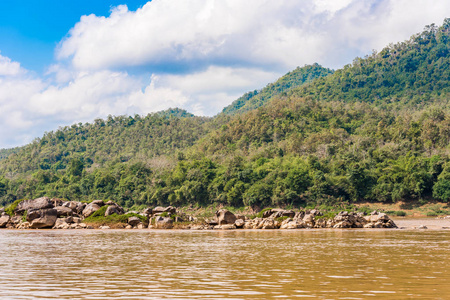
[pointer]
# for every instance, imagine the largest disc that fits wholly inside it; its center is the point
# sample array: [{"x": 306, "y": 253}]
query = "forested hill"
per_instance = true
[
  {"x": 376, "y": 130},
  {"x": 293, "y": 79},
  {"x": 122, "y": 138},
  {"x": 413, "y": 72}
]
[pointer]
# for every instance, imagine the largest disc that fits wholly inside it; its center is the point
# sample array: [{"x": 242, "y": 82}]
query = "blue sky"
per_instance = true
[
  {"x": 64, "y": 62},
  {"x": 40, "y": 25}
]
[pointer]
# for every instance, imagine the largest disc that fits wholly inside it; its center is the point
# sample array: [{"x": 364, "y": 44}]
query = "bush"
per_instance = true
[
  {"x": 432, "y": 214},
  {"x": 400, "y": 213},
  {"x": 98, "y": 217},
  {"x": 12, "y": 207},
  {"x": 261, "y": 213}
]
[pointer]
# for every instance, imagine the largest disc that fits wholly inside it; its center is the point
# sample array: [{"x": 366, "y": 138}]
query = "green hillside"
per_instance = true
[
  {"x": 375, "y": 130},
  {"x": 410, "y": 73},
  {"x": 293, "y": 79}
]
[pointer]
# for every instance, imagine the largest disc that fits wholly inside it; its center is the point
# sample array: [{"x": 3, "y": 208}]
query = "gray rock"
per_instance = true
[
  {"x": 57, "y": 202},
  {"x": 90, "y": 209},
  {"x": 42, "y": 218},
  {"x": 225, "y": 217},
  {"x": 239, "y": 223},
  {"x": 61, "y": 224},
  {"x": 158, "y": 210},
  {"x": 133, "y": 221},
  {"x": 98, "y": 202},
  {"x": 64, "y": 211},
  {"x": 113, "y": 209},
  {"x": 163, "y": 223},
  {"x": 148, "y": 211},
  {"x": 39, "y": 203},
  {"x": 4, "y": 219},
  {"x": 171, "y": 210}
]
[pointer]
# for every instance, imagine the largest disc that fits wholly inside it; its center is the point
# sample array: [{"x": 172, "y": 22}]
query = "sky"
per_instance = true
[{"x": 64, "y": 62}]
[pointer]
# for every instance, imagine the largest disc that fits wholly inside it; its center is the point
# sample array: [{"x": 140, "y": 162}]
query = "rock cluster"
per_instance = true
[
  {"x": 54, "y": 213},
  {"x": 58, "y": 214},
  {"x": 288, "y": 219},
  {"x": 165, "y": 217}
]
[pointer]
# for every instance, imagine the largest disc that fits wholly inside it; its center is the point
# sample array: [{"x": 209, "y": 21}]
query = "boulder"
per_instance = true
[
  {"x": 98, "y": 202},
  {"x": 171, "y": 210},
  {"x": 4, "y": 219},
  {"x": 63, "y": 211},
  {"x": 104, "y": 227},
  {"x": 268, "y": 224},
  {"x": 158, "y": 210},
  {"x": 148, "y": 211},
  {"x": 80, "y": 207},
  {"x": 61, "y": 224},
  {"x": 163, "y": 223},
  {"x": 57, "y": 202},
  {"x": 239, "y": 223},
  {"x": 279, "y": 213},
  {"x": 24, "y": 225},
  {"x": 133, "y": 221},
  {"x": 268, "y": 213},
  {"x": 113, "y": 209},
  {"x": 39, "y": 203},
  {"x": 225, "y": 217},
  {"x": 42, "y": 218},
  {"x": 90, "y": 209}
]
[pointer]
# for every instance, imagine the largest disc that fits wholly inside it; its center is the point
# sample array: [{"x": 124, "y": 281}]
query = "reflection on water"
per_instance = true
[{"x": 324, "y": 264}]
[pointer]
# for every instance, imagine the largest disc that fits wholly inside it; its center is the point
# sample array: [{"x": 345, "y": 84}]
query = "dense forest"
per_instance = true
[{"x": 376, "y": 130}]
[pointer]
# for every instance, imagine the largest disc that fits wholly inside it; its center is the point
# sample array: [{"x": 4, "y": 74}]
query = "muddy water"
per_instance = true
[{"x": 315, "y": 264}]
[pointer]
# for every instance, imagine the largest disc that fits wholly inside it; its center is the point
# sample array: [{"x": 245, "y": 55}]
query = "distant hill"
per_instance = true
[{"x": 293, "y": 79}]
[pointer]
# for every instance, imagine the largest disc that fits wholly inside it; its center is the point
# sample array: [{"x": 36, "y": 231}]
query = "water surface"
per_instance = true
[{"x": 253, "y": 264}]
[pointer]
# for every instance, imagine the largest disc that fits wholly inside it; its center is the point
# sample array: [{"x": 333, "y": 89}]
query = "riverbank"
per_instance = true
[
  {"x": 60, "y": 214},
  {"x": 98, "y": 214},
  {"x": 415, "y": 209},
  {"x": 422, "y": 223}
]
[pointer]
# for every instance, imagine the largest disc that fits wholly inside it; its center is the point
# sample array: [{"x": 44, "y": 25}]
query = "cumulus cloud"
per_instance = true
[
  {"x": 8, "y": 67},
  {"x": 277, "y": 34},
  {"x": 199, "y": 55}
]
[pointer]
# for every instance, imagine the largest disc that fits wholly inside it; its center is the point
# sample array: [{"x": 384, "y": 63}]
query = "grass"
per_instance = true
[
  {"x": 12, "y": 207},
  {"x": 99, "y": 218},
  {"x": 261, "y": 213},
  {"x": 281, "y": 219}
]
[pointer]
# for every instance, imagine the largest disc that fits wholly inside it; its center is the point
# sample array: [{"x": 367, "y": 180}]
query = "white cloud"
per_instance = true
[
  {"x": 277, "y": 34},
  {"x": 199, "y": 55},
  {"x": 8, "y": 67}
]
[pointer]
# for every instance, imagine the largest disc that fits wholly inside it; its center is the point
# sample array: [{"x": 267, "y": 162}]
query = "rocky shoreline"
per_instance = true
[{"x": 59, "y": 214}]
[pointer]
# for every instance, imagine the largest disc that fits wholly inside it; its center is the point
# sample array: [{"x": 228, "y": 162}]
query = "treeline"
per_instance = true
[
  {"x": 376, "y": 130},
  {"x": 292, "y": 151},
  {"x": 121, "y": 138}
]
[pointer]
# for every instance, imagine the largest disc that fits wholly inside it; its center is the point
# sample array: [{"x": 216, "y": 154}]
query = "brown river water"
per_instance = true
[{"x": 240, "y": 264}]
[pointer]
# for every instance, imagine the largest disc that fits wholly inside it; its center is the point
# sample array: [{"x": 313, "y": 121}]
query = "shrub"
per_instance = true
[
  {"x": 261, "y": 213},
  {"x": 432, "y": 214},
  {"x": 12, "y": 207},
  {"x": 400, "y": 213},
  {"x": 98, "y": 217}
]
